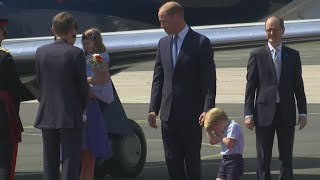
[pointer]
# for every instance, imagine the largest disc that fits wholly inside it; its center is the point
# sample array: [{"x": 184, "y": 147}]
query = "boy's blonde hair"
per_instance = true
[
  {"x": 94, "y": 35},
  {"x": 213, "y": 117}
]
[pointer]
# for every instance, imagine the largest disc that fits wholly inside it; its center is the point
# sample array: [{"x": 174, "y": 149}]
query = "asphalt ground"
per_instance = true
[{"x": 133, "y": 86}]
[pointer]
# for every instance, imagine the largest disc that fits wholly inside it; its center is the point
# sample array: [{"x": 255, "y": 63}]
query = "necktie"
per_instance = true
[
  {"x": 277, "y": 62},
  {"x": 175, "y": 50},
  {"x": 277, "y": 66}
]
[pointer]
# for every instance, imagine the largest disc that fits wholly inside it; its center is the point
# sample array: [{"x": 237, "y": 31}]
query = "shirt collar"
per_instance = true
[
  {"x": 182, "y": 34},
  {"x": 272, "y": 48},
  {"x": 227, "y": 126}
]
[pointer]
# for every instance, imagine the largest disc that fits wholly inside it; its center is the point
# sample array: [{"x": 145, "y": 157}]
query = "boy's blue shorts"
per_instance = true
[{"x": 231, "y": 167}]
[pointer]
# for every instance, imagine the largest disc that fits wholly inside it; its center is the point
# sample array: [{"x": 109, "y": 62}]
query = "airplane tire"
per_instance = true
[{"x": 129, "y": 157}]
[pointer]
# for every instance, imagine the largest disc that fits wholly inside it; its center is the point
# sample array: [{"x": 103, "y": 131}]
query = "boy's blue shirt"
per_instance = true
[{"x": 233, "y": 131}]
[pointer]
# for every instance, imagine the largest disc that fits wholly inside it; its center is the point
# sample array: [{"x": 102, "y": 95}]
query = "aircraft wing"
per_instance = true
[{"x": 130, "y": 47}]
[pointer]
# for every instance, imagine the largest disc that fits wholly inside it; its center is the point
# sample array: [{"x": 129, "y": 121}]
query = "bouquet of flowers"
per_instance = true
[
  {"x": 99, "y": 71},
  {"x": 96, "y": 60}
]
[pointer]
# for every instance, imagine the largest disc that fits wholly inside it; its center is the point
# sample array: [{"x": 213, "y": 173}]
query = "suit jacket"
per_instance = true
[
  {"x": 262, "y": 85},
  {"x": 61, "y": 72},
  {"x": 188, "y": 89},
  {"x": 9, "y": 79},
  {"x": 10, "y": 97}
]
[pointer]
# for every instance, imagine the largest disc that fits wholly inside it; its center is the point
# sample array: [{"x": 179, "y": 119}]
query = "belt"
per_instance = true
[{"x": 228, "y": 156}]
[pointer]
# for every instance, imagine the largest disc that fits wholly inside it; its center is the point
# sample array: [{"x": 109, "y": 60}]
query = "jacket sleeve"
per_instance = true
[
  {"x": 37, "y": 69},
  {"x": 208, "y": 73},
  {"x": 15, "y": 84},
  {"x": 251, "y": 86},
  {"x": 299, "y": 88},
  {"x": 157, "y": 84},
  {"x": 81, "y": 78}
]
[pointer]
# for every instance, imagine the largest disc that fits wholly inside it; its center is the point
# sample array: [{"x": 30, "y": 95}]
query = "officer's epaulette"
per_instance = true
[{"x": 4, "y": 50}]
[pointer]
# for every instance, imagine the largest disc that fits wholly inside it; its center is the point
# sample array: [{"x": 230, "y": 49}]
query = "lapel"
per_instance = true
[
  {"x": 284, "y": 61},
  {"x": 184, "y": 45},
  {"x": 167, "y": 53},
  {"x": 269, "y": 62}
]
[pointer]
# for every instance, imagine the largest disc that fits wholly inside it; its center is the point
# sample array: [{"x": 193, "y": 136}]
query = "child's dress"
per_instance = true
[
  {"x": 103, "y": 92},
  {"x": 95, "y": 137}
]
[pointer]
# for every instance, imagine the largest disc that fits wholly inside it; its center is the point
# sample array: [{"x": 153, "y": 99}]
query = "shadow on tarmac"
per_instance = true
[{"x": 158, "y": 171}]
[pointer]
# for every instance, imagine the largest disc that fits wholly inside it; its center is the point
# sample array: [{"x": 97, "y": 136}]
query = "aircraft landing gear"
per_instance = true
[{"x": 129, "y": 154}]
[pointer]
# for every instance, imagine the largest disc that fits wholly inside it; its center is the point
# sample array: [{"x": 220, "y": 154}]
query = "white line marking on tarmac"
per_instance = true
[
  {"x": 160, "y": 140},
  {"x": 313, "y": 113},
  {"x": 27, "y": 173},
  {"x": 210, "y": 157},
  {"x": 31, "y": 134},
  {"x": 30, "y": 102},
  {"x": 28, "y": 127},
  {"x": 145, "y": 121},
  {"x": 149, "y": 140},
  {"x": 156, "y": 140},
  {"x": 165, "y": 166}
]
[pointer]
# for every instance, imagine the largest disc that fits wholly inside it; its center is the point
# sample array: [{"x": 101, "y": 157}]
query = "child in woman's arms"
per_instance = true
[{"x": 98, "y": 60}]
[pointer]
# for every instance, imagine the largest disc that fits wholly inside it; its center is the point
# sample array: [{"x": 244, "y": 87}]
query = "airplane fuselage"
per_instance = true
[{"x": 33, "y": 18}]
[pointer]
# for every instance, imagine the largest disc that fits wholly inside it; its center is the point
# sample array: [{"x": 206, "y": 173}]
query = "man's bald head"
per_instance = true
[
  {"x": 171, "y": 17},
  {"x": 172, "y": 8},
  {"x": 279, "y": 20},
  {"x": 274, "y": 28}
]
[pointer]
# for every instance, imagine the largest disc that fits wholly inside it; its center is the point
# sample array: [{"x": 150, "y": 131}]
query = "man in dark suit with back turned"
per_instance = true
[
  {"x": 184, "y": 87},
  {"x": 274, "y": 86},
  {"x": 61, "y": 72}
]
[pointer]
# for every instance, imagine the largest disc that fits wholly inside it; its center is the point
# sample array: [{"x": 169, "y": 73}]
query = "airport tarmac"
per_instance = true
[{"x": 133, "y": 87}]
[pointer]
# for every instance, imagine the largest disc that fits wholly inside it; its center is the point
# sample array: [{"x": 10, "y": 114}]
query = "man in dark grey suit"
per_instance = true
[
  {"x": 61, "y": 72},
  {"x": 184, "y": 87},
  {"x": 274, "y": 86}
]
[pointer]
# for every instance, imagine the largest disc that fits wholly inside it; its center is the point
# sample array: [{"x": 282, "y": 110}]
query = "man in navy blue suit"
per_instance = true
[
  {"x": 274, "y": 86},
  {"x": 61, "y": 72},
  {"x": 184, "y": 88}
]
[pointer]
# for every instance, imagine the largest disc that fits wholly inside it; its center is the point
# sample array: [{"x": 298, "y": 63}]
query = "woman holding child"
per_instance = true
[{"x": 95, "y": 139}]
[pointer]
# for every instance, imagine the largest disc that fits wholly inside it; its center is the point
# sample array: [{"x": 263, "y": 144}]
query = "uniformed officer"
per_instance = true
[{"x": 10, "y": 124}]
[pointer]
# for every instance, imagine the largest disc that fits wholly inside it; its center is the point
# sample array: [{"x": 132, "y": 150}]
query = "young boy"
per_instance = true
[{"x": 220, "y": 129}]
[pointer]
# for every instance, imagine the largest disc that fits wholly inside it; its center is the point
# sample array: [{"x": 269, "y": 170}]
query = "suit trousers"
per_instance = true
[
  {"x": 70, "y": 140},
  {"x": 264, "y": 144},
  {"x": 182, "y": 144},
  {"x": 8, "y": 151}
]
